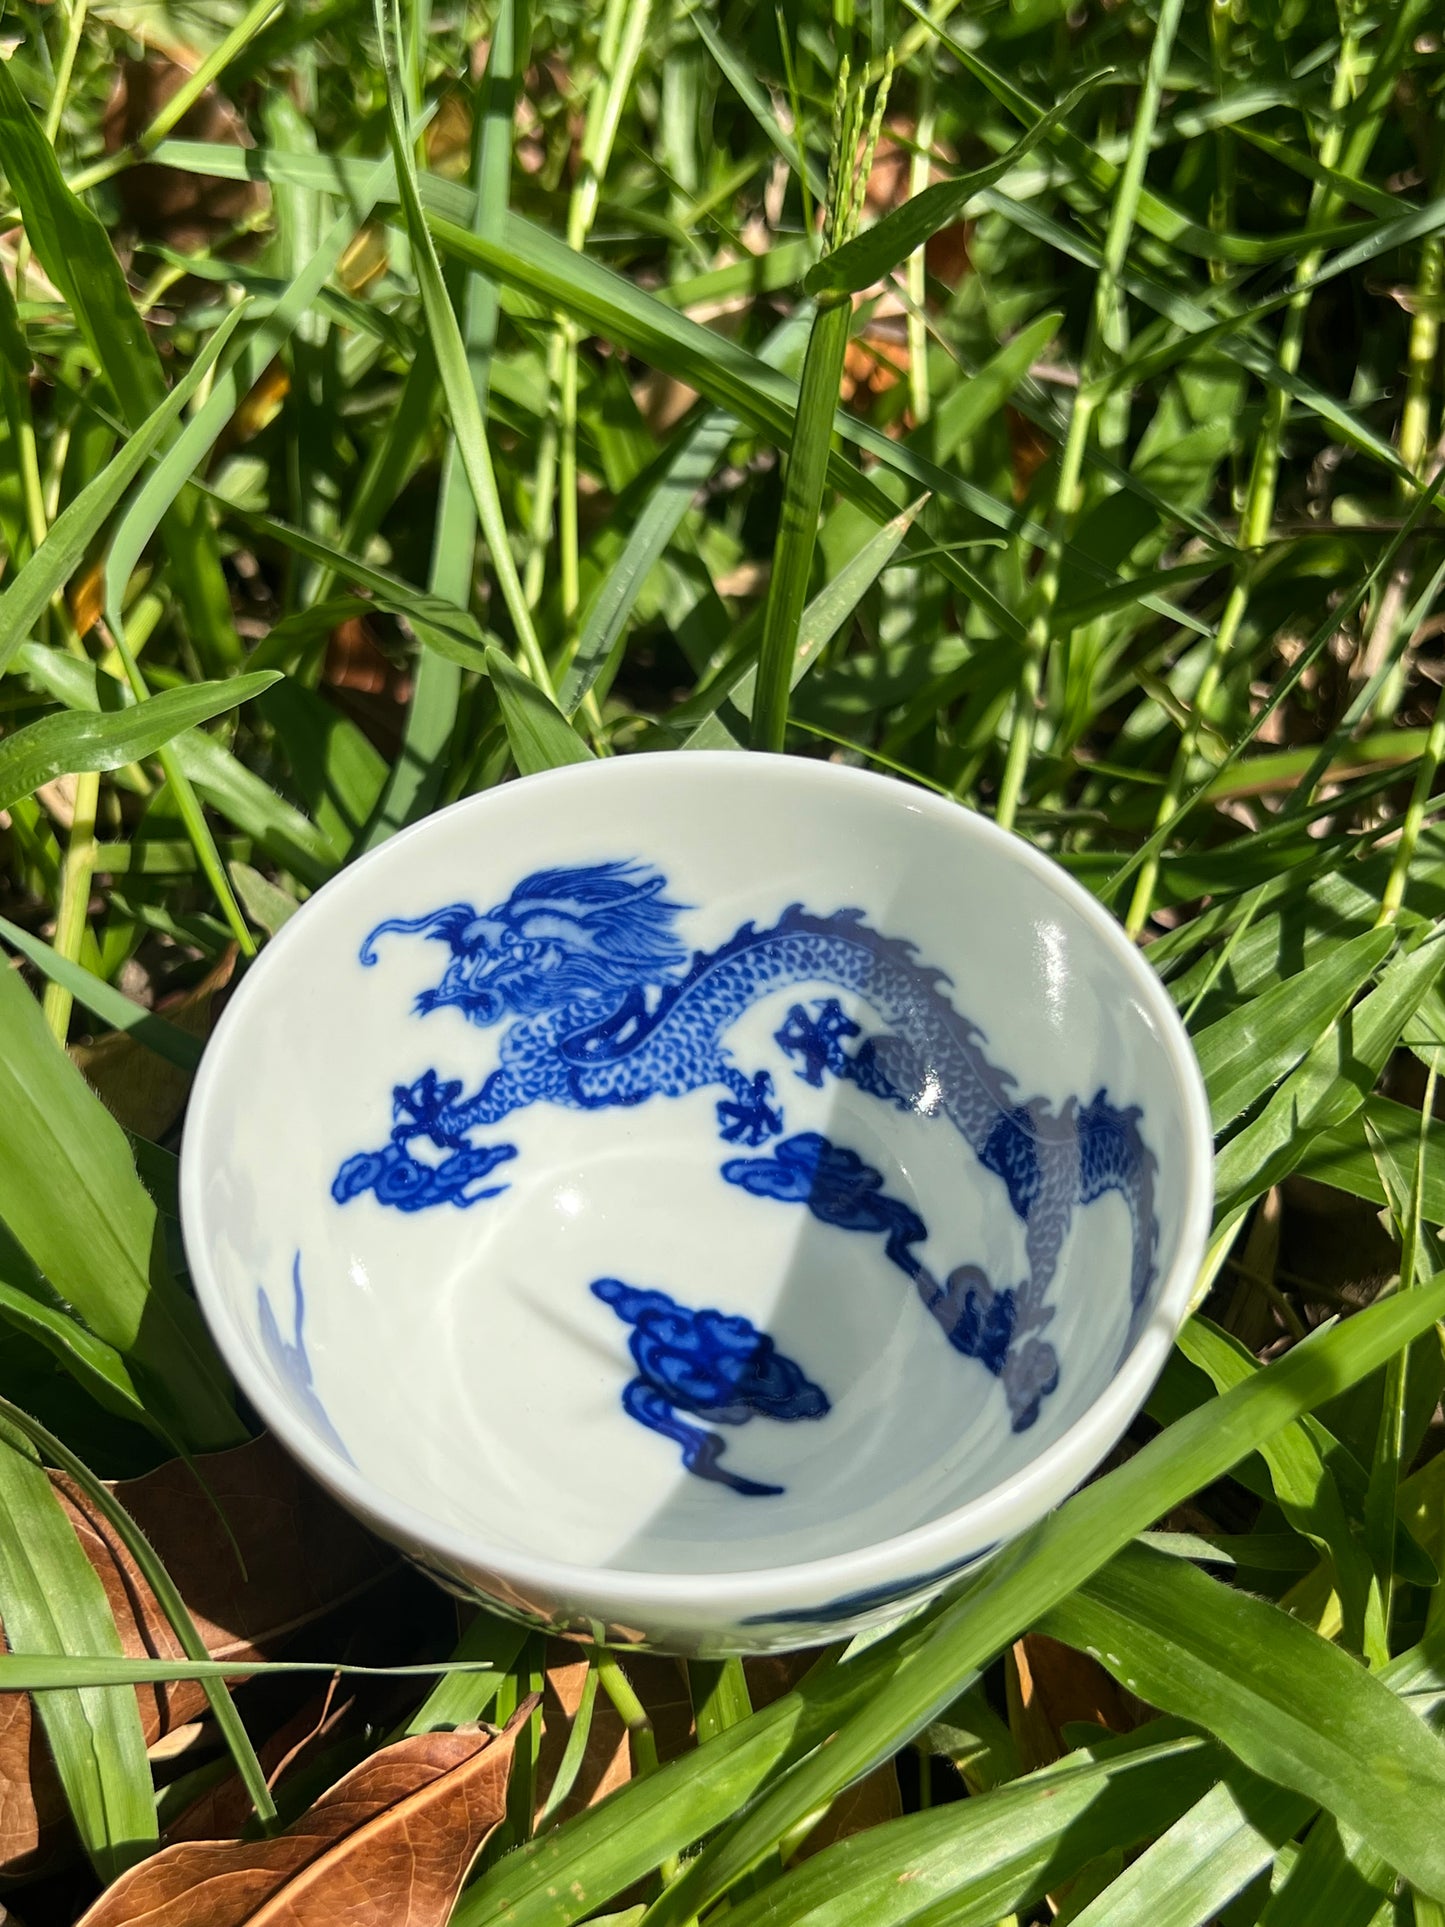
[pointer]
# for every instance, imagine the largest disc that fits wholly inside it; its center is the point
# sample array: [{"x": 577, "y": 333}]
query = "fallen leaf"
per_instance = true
[
  {"x": 388, "y": 1846},
  {"x": 262, "y": 402},
  {"x": 867, "y": 1803},
  {"x": 185, "y": 211},
  {"x": 304, "y": 1557},
  {"x": 1029, "y": 449},
  {"x": 32, "y": 1806},
  {"x": 86, "y": 596},
  {"x": 145, "y": 1093},
  {"x": 1050, "y": 1686},
  {"x": 607, "y": 1763},
  {"x": 222, "y": 1810}
]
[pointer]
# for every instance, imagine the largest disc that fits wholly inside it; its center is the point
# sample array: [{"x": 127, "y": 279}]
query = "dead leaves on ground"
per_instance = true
[
  {"x": 392, "y": 1840},
  {"x": 145, "y": 1093},
  {"x": 303, "y": 1557},
  {"x": 388, "y": 1846}
]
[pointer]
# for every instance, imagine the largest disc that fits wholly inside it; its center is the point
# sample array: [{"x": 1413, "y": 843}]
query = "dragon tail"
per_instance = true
[{"x": 1114, "y": 1157}]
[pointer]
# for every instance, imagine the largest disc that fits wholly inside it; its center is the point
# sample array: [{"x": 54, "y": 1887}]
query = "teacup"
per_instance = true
[{"x": 706, "y": 1202}]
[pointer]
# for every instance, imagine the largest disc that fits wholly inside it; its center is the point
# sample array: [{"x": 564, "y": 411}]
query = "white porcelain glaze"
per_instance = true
[{"x": 456, "y": 1379}]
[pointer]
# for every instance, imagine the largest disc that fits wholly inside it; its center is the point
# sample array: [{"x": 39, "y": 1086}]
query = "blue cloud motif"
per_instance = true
[
  {"x": 837, "y": 1187},
  {"x": 712, "y": 1364}
]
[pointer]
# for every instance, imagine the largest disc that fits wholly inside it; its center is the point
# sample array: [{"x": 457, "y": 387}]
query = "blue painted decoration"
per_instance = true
[
  {"x": 289, "y": 1360},
  {"x": 603, "y": 1005},
  {"x": 841, "y": 1190},
  {"x": 867, "y": 1597},
  {"x": 717, "y": 1367}
]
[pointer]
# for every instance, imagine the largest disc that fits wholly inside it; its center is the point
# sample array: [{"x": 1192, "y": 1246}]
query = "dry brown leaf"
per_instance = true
[
  {"x": 261, "y": 403},
  {"x": 185, "y": 211},
  {"x": 221, "y": 1812},
  {"x": 868, "y": 1803},
  {"x": 388, "y": 1846},
  {"x": 1029, "y": 449},
  {"x": 32, "y": 1806},
  {"x": 304, "y": 1558},
  {"x": 607, "y": 1764},
  {"x": 145, "y": 1093},
  {"x": 86, "y": 596},
  {"x": 1050, "y": 1685}
]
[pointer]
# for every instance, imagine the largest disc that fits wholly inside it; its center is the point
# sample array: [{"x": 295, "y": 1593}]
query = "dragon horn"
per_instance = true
[{"x": 444, "y": 924}]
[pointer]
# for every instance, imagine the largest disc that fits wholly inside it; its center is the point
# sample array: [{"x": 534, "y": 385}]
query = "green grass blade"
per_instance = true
[
  {"x": 76, "y": 527},
  {"x": 484, "y": 1656},
  {"x": 540, "y": 735},
  {"x": 730, "y": 378},
  {"x": 976, "y": 401},
  {"x": 70, "y": 1194},
  {"x": 1293, "y": 1707},
  {"x": 573, "y": 1871},
  {"x": 52, "y": 1601},
  {"x": 575, "y": 1751},
  {"x": 869, "y": 256},
  {"x": 14, "y": 348},
  {"x": 438, "y": 621},
  {"x": 530, "y": 259},
  {"x": 57, "y": 745},
  {"x": 1345, "y": 1884},
  {"x": 925, "y": 1667},
  {"x": 267, "y": 904},
  {"x": 807, "y": 472},
  {"x": 973, "y": 1861},
  {"x": 718, "y": 1689},
  {"x": 416, "y": 777},
  {"x": 1346, "y": 607},
  {"x": 167, "y": 1597},
  {"x": 164, "y": 484},
  {"x": 1185, "y": 312},
  {"x": 1253, "y": 1047},
  {"x": 226, "y": 784},
  {"x": 697, "y": 456},
  {"x": 824, "y": 616},
  {"x": 58, "y": 1671},
  {"x": 96, "y": 1366},
  {"x": 73, "y": 247},
  {"x": 1299, "y": 1469},
  {"x": 176, "y": 1046},
  {"x": 1332, "y": 1082},
  {"x": 451, "y": 356},
  {"x": 756, "y": 101},
  {"x": 1190, "y": 1874}
]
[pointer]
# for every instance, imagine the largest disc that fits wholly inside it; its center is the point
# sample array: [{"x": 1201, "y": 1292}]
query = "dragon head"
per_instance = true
[{"x": 597, "y": 931}]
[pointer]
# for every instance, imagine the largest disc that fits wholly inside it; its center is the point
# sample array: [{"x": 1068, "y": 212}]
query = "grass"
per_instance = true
[{"x": 1044, "y": 406}]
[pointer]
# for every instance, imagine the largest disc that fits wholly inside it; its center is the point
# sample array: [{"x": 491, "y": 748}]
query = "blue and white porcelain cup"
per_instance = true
[{"x": 699, "y": 1201}]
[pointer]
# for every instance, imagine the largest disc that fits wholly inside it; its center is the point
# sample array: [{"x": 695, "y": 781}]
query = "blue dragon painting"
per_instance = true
[{"x": 604, "y": 1005}]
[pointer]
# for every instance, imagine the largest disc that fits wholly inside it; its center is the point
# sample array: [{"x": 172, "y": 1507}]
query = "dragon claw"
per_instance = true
[
  {"x": 818, "y": 1041},
  {"x": 749, "y": 1118},
  {"x": 420, "y": 1110}
]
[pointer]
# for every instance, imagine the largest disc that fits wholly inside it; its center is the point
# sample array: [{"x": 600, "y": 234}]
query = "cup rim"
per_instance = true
[{"x": 900, "y": 1565}]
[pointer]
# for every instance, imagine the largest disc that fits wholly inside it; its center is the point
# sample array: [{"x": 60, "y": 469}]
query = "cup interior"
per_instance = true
[{"x": 692, "y": 1165}]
